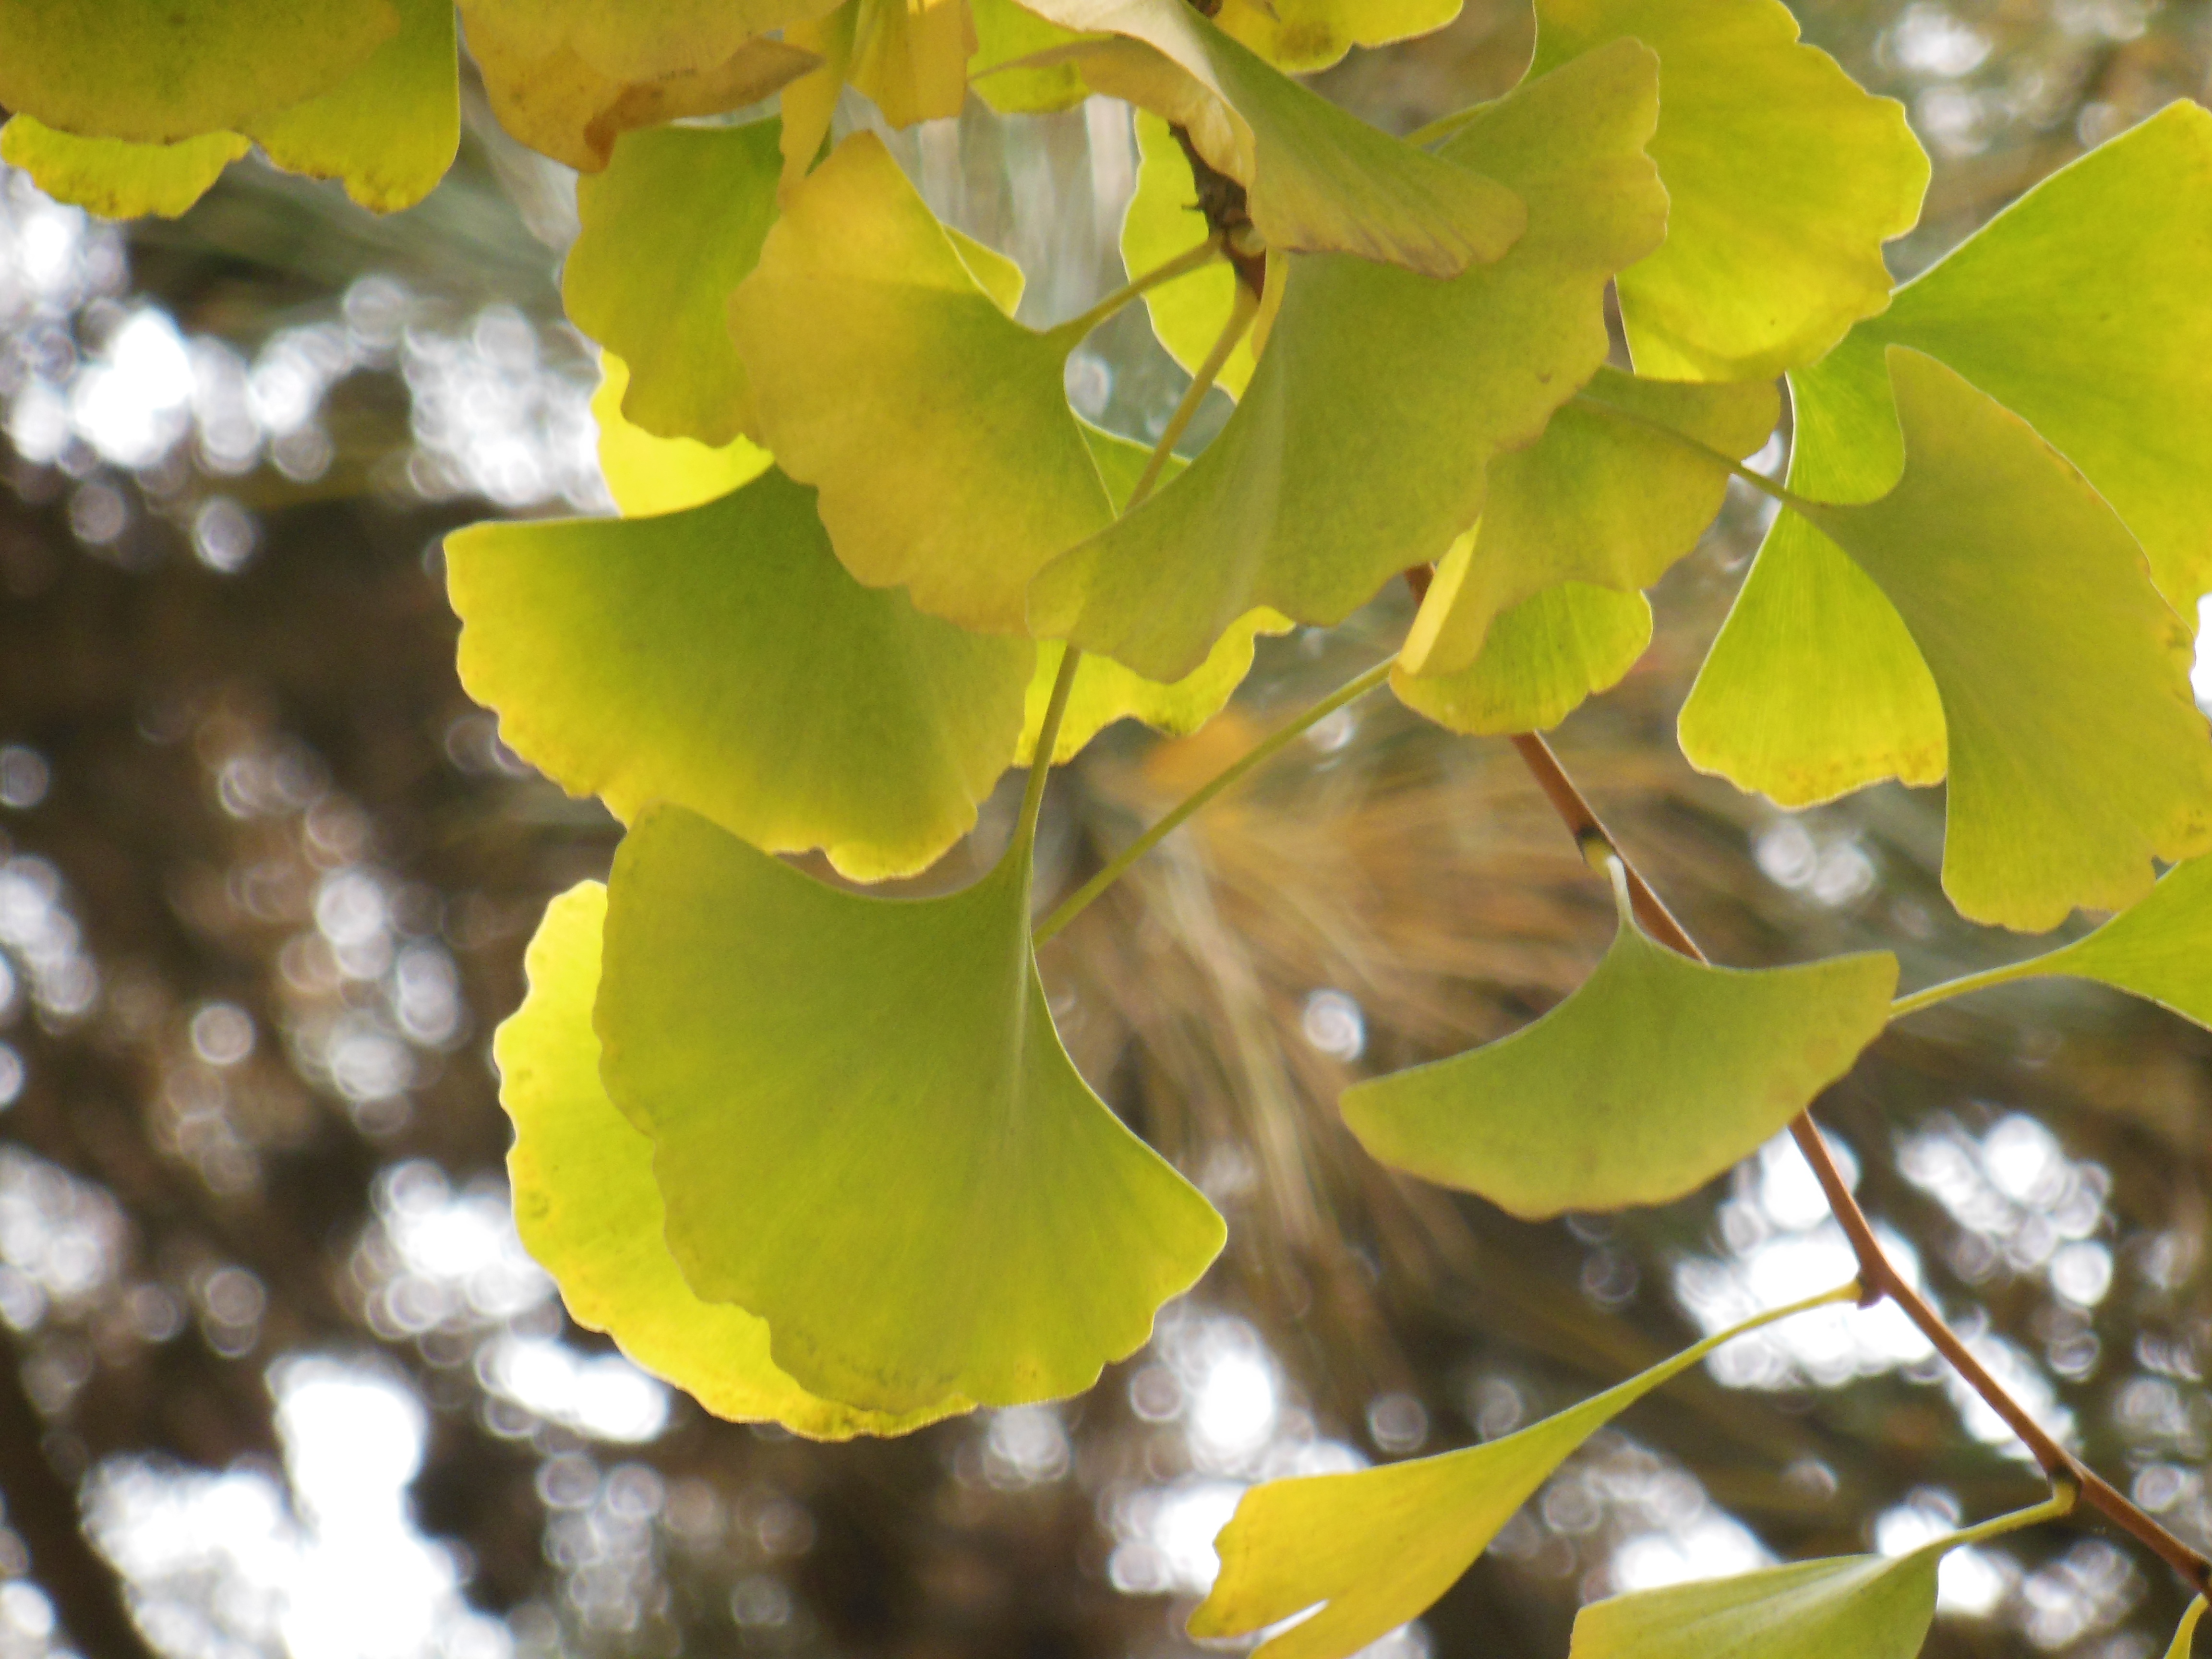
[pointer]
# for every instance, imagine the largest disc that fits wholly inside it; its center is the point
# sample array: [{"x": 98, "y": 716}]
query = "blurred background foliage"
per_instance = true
[{"x": 279, "y": 1379}]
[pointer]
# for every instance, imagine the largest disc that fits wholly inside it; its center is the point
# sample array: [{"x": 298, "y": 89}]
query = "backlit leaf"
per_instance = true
[
  {"x": 1319, "y": 179},
  {"x": 1379, "y": 1547},
  {"x": 935, "y": 426},
  {"x": 1104, "y": 691},
  {"x": 1360, "y": 445},
  {"x": 809, "y": 104},
  {"x": 672, "y": 227},
  {"x": 722, "y": 658},
  {"x": 2160, "y": 948},
  {"x": 1608, "y": 496},
  {"x": 648, "y": 475},
  {"x": 388, "y": 131},
  {"x": 1849, "y": 1607},
  {"x": 155, "y": 71},
  {"x": 867, "y": 1131},
  {"x": 1188, "y": 313},
  {"x": 1786, "y": 177},
  {"x": 911, "y": 57},
  {"x": 1656, "y": 1074},
  {"x": 1538, "y": 663},
  {"x": 1305, "y": 35},
  {"x": 587, "y": 1209},
  {"x": 114, "y": 178},
  {"x": 2077, "y": 754},
  {"x": 1004, "y": 32}
]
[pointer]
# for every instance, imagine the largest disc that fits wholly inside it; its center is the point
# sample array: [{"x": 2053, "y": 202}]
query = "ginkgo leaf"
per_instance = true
[
  {"x": 1375, "y": 1549},
  {"x": 1305, "y": 35},
  {"x": 809, "y": 104},
  {"x": 1163, "y": 222},
  {"x": 1849, "y": 1606},
  {"x": 672, "y": 227},
  {"x": 1784, "y": 177},
  {"x": 1360, "y": 445},
  {"x": 911, "y": 57},
  {"x": 587, "y": 1209},
  {"x": 1005, "y": 33},
  {"x": 1654, "y": 1075},
  {"x": 567, "y": 89},
  {"x": 114, "y": 178},
  {"x": 1319, "y": 179},
  {"x": 1608, "y": 497},
  {"x": 156, "y": 71},
  {"x": 648, "y": 475},
  {"x": 387, "y": 132},
  {"x": 721, "y": 657},
  {"x": 867, "y": 1131},
  {"x": 1538, "y": 662},
  {"x": 2160, "y": 948},
  {"x": 2077, "y": 754},
  {"x": 1104, "y": 691},
  {"x": 935, "y": 426}
]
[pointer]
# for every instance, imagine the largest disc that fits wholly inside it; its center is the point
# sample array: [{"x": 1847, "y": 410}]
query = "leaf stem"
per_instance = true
[
  {"x": 2060, "y": 1503},
  {"x": 1273, "y": 744},
  {"x": 1194, "y": 258},
  {"x": 1241, "y": 310},
  {"x": 1048, "y": 739},
  {"x": 1960, "y": 986},
  {"x": 2186, "y": 1633},
  {"x": 1876, "y": 1273}
]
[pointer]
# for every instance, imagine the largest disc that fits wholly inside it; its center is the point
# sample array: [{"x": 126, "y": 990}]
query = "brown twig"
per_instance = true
[{"x": 1879, "y": 1278}]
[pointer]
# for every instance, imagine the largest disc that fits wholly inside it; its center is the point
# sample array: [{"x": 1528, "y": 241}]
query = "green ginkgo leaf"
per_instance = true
[
  {"x": 115, "y": 177},
  {"x": 887, "y": 375},
  {"x": 1538, "y": 664},
  {"x": 1005, "y": 33},
  {"x": 2160, "y": 948},
  {"x": 1849, "y": 1606},
  {"x": 1104, "y": 691},
  {"x": 1305, "y": 35},
  {"x": 911, "y": 57},
  {"x": 1609, "y": 496},
  {"x": 672, "y": 227},
  {"x": 1784, "y": 177},
  {"x": 587, "y": 1209},
  {"x": 648, "y": 475},
  {"x": 1375, "y": 1549},
  {"x": 1319, "y": 179},
  {"x": 1361, "y": 443},
  {"x": 1163, "y": 223},
  {"x": 2077, "y": 754},
  {"x": 867, "y": 1131},
  {"x": 721, "y": 657},
  {"x": 1655, "y": 1075},
  {"x": 157, "y": 71}
]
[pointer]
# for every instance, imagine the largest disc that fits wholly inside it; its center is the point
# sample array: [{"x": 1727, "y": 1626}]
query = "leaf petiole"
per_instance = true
[
  {"x": 1960, "y": 986},
  {"x": 2064, "y": 1495},
  {"x": 1194, "y": 258},
  {"x": 1063, "y": 683}
]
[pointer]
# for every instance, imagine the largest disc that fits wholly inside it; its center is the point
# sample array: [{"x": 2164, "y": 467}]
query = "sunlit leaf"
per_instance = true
[
  {"x": 568, "y": 86},
  {"x": 2077, "y": 754},
  {"x": 1305, "y": 35},
  {"x": 722, "y": 658},
  {"x": 867, "y": 1131},
  {"x": 1608, "y": 496},
  {"x": 1360, "y": 445},
  {"x": 1319, "y": 179},
  {"x": 1104, "y": 691},
  {"x": 1163, "y": 222},
  {"x": 1849, "y": 1607},
  {"x": 1786, "y": 177},
  {"x": 935, "y": 426},
  {"x": 911, "y": 57},
  {"x": 116, "y": 179},
  {"x": 1375, "y": 1549},
  {"x": 388, "y": 131},
  {"x": 1006, "y": 32},
  {"x": 1654, "y": 1075},
  {"x": 1538, "y": 663},
  {"x": 672, "y": 227},
  {"x": 2160, "y": 948},
  {"x": 809, "y": 104},
  {"x": 155, "y": 71},
  {"x": 586, "y": 1207},
  {"x": 648, "y": 475}
]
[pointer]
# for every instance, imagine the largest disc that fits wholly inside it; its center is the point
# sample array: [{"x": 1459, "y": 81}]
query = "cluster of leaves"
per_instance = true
[{"x": 819, "y": 1154}]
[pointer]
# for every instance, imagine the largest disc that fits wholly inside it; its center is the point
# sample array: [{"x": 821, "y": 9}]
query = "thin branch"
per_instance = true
[{"x": 1875, "y": 1272}]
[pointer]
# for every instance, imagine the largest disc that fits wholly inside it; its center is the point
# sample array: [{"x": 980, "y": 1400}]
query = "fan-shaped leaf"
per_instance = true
[
  {"x": 1360, "y": 445},
  {"x": 1104, "y": 691},
  {"x": 2160, "y": 948},
  {"x": 586, "y": 1207},
  {"x": 1849, "y": 1607},
  {"x": 867, "y": 1131},
  {"x": 648, "y": 475},
  {"x": 1006, "y": 32},
  {"x": 1319, "y": 179},
  {"x": 1656, "y": 1074},
  {"x": 114, "y": 178},
  {"x": 1163, "y": 222},
  {"x": 1537, "y": 662},
  {"x": 722, "y": 658},
  {"x": 1379, "y": 1546},
  {"x": 935, "y": 426},
  {"x": 156, "y": 71},
  {"x": 2076, "y": 752},
  {"x": 1608, "y": 497},
  {"x": 1786, "y": 177},
  {"x": 911, "y": 57},
  {"x": 1305, "y": 35},
  {"x": 672, "y": 227}
]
